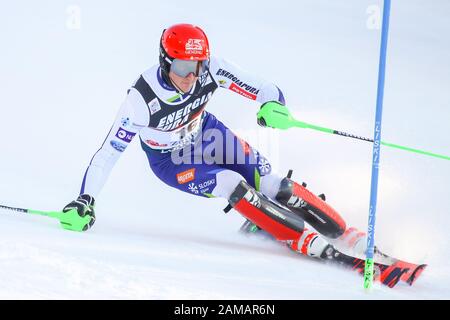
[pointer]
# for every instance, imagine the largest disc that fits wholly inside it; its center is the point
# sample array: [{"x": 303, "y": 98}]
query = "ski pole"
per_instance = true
[
  {"x": 369, "y": 265},
  {"x": 278, "y": 116},
  {"x": 69, "y": 220}
]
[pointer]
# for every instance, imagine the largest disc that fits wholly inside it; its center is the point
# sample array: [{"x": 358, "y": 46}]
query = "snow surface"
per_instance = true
[{"x": 61, "y": 87}]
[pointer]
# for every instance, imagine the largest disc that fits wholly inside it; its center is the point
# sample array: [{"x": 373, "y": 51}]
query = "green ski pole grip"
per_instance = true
[{"x": 69, "y": 220}]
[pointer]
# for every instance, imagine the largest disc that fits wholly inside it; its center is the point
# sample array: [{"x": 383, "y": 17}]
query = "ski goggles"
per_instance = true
[{"x": 183, "y": 68}]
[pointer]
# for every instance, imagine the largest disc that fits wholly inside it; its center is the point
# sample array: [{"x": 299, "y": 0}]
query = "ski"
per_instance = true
[
  {"x": 414, "y": 270},
  {"x": 387, "y": 274},
  {"x": 352, "y": 235},
  {"x": 389, "y": 270}
]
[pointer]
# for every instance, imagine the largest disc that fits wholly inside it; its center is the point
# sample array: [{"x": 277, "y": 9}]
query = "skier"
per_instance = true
[{"x": 191, "y": 150}]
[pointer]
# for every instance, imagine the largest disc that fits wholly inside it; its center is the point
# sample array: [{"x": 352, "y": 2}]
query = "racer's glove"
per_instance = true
[
  {"x": 80, "y": 213},
  {"x": 272, "y": 114}
]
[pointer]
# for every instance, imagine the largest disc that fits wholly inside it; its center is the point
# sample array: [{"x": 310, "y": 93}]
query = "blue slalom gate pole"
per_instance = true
[{"x": 369, "y": 266}]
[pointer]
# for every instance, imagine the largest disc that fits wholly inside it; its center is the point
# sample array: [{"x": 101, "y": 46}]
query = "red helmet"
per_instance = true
[
  {"x": 185, "y": 42},
  {"x": 182, "y": 41}
]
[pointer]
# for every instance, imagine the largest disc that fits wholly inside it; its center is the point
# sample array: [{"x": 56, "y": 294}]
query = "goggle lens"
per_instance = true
[{"x": 185, "y": 67}]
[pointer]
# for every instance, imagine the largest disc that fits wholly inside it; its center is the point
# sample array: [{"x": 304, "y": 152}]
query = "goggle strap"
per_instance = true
[{"x": 197, "y": 70}]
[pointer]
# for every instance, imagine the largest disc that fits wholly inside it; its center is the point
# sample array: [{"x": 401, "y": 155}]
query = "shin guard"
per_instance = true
[
  {"x": 279, "y": 222},
  {"x": 311, "y": 208}
]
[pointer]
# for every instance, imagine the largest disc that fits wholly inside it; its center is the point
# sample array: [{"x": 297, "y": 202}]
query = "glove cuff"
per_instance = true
[{"x": 88, "y": 199}]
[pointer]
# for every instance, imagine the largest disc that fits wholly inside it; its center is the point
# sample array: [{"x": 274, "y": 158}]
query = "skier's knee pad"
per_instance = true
[
  {"x": 315, "y": 211},
  {"x": 278, "y": 221},
  {"x": 270, "y": 184},
  {"x": 226, "y": 182}
]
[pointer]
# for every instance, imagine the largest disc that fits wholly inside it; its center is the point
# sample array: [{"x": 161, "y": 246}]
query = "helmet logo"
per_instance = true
[{"x": 194, "y": 46}]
